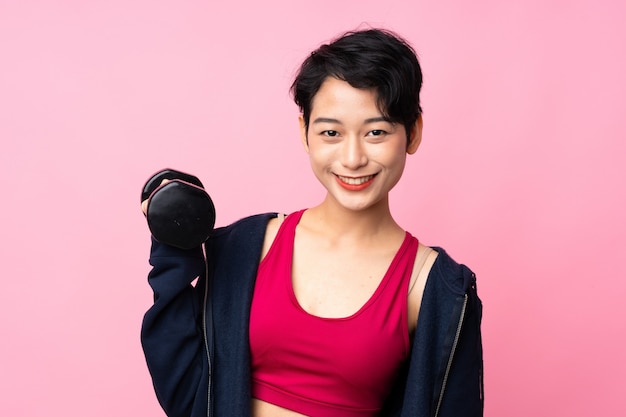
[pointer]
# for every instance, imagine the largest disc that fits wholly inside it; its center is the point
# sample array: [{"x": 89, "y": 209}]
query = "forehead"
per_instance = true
[{"x": 339, "y": 96}]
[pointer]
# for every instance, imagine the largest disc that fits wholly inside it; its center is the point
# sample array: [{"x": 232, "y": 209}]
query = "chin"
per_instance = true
[{"x": 357, "y": 206}]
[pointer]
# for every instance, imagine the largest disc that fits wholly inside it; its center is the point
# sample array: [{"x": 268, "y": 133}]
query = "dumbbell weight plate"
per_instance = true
[
  {"x": 167, "y": 174},
  {"x": 179, "y": 213}
]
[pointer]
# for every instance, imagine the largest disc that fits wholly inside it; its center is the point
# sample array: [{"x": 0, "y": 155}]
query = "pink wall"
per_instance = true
[{"x": 520, "y": 175}]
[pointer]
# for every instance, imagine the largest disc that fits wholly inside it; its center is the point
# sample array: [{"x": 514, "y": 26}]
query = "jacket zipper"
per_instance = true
[
  {"x": 204, "y": 332},
  {"x": 454, "y": 345}
]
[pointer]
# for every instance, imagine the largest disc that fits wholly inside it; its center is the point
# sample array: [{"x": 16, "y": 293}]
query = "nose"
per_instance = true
[{"x": 353, "y": 155}]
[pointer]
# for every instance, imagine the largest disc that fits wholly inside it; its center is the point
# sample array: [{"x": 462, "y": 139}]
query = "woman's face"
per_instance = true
[{"x": 355, "y": 153}]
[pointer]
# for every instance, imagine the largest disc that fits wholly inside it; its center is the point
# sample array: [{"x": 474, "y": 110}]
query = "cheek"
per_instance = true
[
  {"x": 395, "y": 164},
  {"x": 391, "y": 157},
  {"x": 318, "y": 161},
  {"x": 320, "y": 154}
]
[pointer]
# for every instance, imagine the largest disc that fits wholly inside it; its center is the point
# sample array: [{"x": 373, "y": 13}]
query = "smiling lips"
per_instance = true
[{"x": 355, "y": 184}]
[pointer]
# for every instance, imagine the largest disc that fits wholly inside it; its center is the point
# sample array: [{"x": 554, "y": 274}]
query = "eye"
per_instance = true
[
  {"x": 330, "y": 133},
  {"x": 377, "y": 132}
]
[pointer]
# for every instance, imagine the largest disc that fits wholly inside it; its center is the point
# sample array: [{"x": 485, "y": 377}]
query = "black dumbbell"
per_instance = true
[{"x": 180, "y": 212}]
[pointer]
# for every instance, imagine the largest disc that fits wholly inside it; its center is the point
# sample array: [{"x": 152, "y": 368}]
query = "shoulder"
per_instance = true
[
  {"x": 456, "y": 277},
  {"x": 251, "y": 224},
  {"x": 246, "y": 232},
  {"x": 271, "y": 230},
  {"x": 233, "y": 251}
]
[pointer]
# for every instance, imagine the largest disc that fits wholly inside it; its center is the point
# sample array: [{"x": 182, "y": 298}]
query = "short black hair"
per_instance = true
[{"x": 369, "y": 59}]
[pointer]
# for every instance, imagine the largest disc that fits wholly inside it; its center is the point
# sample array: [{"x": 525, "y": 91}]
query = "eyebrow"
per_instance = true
[
  {"x": 377, "y": 119},
  {"x": 367, "y": 121},
  {"x": 325, "y": 120}
]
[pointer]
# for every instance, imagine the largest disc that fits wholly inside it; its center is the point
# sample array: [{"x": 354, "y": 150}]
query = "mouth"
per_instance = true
[{"x": 357, "y": 180}]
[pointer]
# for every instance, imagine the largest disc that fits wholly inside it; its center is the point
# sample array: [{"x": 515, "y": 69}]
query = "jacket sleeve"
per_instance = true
[
  {"x": 172, "y": 333},
  {"x": 464, "y": 387}
]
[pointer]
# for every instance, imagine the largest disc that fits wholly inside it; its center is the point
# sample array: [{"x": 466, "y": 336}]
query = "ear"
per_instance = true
[
  {"x": 415, "y": 136},
  {"x": 303, "y": 133}
]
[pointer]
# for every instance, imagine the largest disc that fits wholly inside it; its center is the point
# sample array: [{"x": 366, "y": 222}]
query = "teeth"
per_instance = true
[{"x": 355, "y": 181}]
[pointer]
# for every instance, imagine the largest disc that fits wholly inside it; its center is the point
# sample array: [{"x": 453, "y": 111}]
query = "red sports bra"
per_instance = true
[{"x": 327, "y": 367}]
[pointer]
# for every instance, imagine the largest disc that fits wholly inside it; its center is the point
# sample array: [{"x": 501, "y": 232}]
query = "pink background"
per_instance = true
[{"x": 520, "y": 175}]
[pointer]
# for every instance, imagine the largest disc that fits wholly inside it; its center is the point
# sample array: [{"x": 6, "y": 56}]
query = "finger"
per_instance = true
[{"x": 144, "y": 203}]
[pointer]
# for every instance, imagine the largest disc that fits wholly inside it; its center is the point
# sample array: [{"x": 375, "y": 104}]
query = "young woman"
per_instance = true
[{"x": 336, "y": 310}]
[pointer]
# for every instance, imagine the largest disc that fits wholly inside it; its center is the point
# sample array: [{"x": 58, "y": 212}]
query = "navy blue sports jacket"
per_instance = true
[{"x": 195, "y": 337}]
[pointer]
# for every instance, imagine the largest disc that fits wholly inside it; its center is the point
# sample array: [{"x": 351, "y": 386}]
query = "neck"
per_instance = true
[{"x": 358, "y": 224}]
